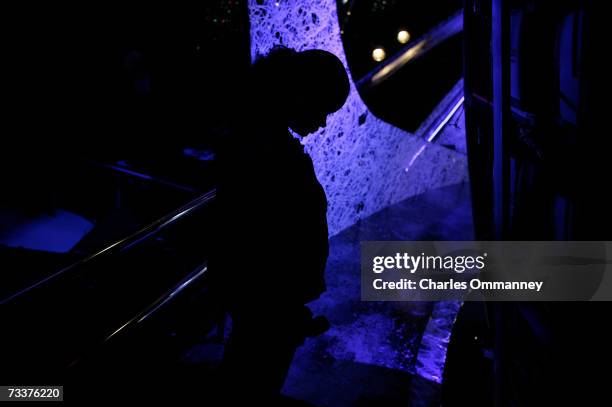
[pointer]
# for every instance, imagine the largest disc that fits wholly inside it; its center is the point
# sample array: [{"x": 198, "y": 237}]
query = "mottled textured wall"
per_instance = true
[{"x": 363, "y": 163}]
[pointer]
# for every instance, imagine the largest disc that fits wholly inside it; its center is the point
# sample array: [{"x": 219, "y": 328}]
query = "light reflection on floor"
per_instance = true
[{"x": 375, "y": 352}]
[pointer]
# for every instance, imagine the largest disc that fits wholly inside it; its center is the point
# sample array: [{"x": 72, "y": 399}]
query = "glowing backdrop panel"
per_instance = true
[{"x": 363, "y": 163}]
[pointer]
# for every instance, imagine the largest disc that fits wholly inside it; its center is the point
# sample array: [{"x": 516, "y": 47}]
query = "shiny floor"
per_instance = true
[{"x": 378, "y": 353}]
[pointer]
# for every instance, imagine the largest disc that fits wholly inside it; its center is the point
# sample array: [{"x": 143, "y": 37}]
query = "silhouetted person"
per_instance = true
[{"x": 273, "y": 237}]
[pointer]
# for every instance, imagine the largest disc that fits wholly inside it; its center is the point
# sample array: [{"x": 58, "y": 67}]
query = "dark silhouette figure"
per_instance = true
[{"x": 273, "y": 237}]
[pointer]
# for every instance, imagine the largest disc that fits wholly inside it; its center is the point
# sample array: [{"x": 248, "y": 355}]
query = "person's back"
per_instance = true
[
  {"x": 274, "y": 226},
  {"x": 273, "y": 238}
]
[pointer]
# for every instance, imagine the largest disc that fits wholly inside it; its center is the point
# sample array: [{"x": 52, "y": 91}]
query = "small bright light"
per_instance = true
[
  {"x": 378, "y": 54},
  {"x": 403, "y": 36}
]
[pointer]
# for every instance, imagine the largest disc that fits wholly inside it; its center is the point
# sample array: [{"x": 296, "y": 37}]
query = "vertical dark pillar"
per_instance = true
[
  {"x": 478, "y": 114},
  {"x": 500, "y": 55},
  {"x": 500, "y": 41}
]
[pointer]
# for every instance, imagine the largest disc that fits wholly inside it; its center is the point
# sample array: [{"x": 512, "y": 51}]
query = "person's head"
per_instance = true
[{"x": 303, "y": 87}]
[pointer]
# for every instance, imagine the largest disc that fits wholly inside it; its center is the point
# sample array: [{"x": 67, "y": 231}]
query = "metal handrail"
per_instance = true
[
  {"x": 161, "y": 301},
  {"x": 147, "y": 312},
  {"x": 413, "y": 50},
  {"x": 125, "y": 243},
  {"x": 143, "y": 176}
]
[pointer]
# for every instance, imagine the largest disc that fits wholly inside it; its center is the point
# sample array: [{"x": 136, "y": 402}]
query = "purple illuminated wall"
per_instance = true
[{"x": 363, "y": 163}]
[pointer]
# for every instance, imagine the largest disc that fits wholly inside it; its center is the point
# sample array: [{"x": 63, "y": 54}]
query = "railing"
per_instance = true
[
  {"x": 194, "y": 276},
  {"x": 414, "y": 50},
  {"x": 122, "y": 244},
  {"x": 139, "y": 175},
  {"x": 148, "y": 312}
]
